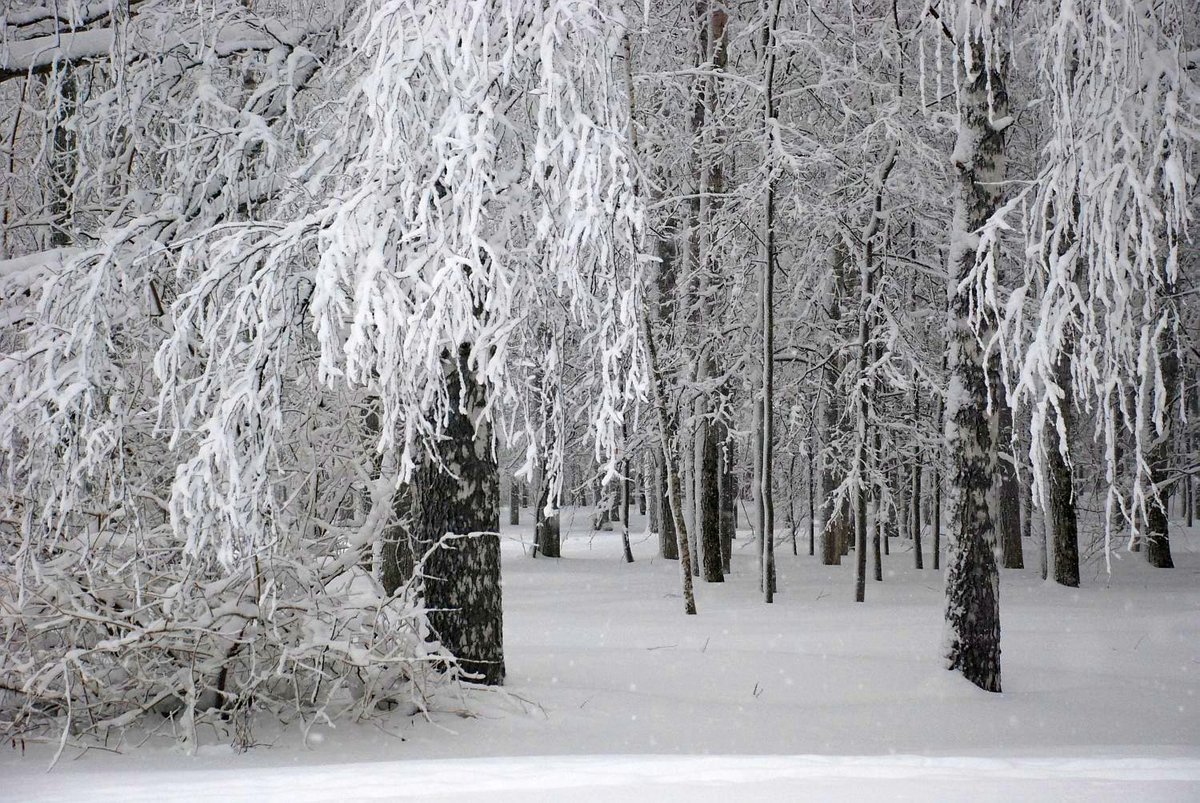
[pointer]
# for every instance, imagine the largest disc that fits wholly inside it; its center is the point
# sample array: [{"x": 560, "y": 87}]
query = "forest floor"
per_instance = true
[{"x": 614, "y": 694}]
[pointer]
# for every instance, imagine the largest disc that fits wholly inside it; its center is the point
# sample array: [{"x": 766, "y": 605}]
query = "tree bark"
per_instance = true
[
  {"x": 728, "y": 494},
  {"x": 1060, "y": 508},
  {"x": 1158, "y": 543},
  {"x": 457, "y": 507},
  {"x": 514, "y": 502},
  {"x": 547, "y": 535},
  {"x": 766, "y": 490},
  {"x": 710, "y": 507},
  {"x": 972, "y": 579},
  {"x": 1007, "y": 490},
  {"x": 664, "y": 432},
  {"x": 668, "y": 541}
]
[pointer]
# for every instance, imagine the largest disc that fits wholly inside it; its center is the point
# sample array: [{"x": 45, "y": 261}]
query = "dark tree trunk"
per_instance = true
[
  {"x": 626, "y": 492},
  {"x": 1008, "y": 491},
  {"x": 791, "y": 501},
  {"x": 936, "y": 520},
  {"x": 710, "y": 504},
  {"x": 650, "y": 491},
  {"x": 63, "y": 157},
  {"x": 547, "y": 538},
  {"x": 812, "y": 502},
  {"x": 878, "y": 525},
  {"x": 1064, "y": 535},
  {"x": 1158, "y": 543},
  {"x": 462, "y": 576},
  {"x": 728, "y": 493},
  {"x": 668, "y": 541},
  {"x": 514, "y": 503},
  {"x": 914, "y": 519},
  {"x": 972, "y": 579},
  {"x": 834, "y": 516}
]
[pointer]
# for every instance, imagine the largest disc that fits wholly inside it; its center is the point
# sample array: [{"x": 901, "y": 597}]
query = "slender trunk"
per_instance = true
[
  {"x": 664, "y": 431},
  {"x": 625, "y": 494},
  {"x": 728, "y": 493},
  {"x": 863, "y": 455},
  {"x": 832, "y": 520},
  {"x": 936, "y": 517},
  {"x": 514, "y": 502},
  {"x": 668, "y": 541},
  {"x": 641, "y": 491},
  {"x": 768, "y": 317},
  {"x": 791, "y": 501},
  {"x": 650, "y": 493},
  {"x": 63, "y": 162},
  {"x": 812, "y": 489},
  {"x": 877, "y": 535},
  {"x": 915, "y": 517},
  {"x": 1007, "y": 489},
  {"x": 915, "y": 513}
]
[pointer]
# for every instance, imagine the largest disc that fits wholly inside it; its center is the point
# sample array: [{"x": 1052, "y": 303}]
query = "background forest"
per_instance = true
[{"x": 290, "y": 291}]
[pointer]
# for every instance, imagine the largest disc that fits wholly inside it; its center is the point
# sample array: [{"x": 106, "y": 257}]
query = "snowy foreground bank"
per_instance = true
[
  {"x": 699, "y": 778},
  {"x": 613, "y": 694}
]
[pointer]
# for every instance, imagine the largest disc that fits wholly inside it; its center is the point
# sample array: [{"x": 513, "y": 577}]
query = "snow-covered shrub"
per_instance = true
[{"x": 269, "y": 222}]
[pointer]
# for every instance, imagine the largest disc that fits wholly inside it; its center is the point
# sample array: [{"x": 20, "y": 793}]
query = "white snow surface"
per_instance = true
[{"x": 614, "y": 694}]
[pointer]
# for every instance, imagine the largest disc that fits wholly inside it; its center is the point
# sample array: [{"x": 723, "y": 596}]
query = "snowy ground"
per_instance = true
[{"x": 614, "y": 694}]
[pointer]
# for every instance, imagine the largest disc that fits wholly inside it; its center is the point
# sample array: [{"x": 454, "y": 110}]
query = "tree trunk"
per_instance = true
[
  {"x": 650, "y": 492},
  {"x": 710, "y": 507},
  {"x": 766, "y": 491},
  {"x": 457, "y": 504},
  {"x": 664, "y": 432},
  {"x": 626, "y": 490},
  {"x": 547, "y": 535},
  {"x": 728, "y": 494},
  {"x": 1007, "y": 489},
  {"x": 668, "y": 541},
  {"x": 641, "y": 492},
  {"x": 915, "y": 516},
  {"x": 972, "y": 579},
  {"x": 812, "y": 489},
  {"x": 1158, "y": 543},
  {"x": 936, "y": 519},
  {"x": 1060, "y": 508},
  {"x": 834, "y": 517},
  {"x": 514, "y": 502}
]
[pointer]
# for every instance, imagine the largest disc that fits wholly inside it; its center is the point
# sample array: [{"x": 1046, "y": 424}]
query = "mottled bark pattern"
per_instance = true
[
  {"x": 462, "y": 578},
  {"x": 972, "y": 579}
]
